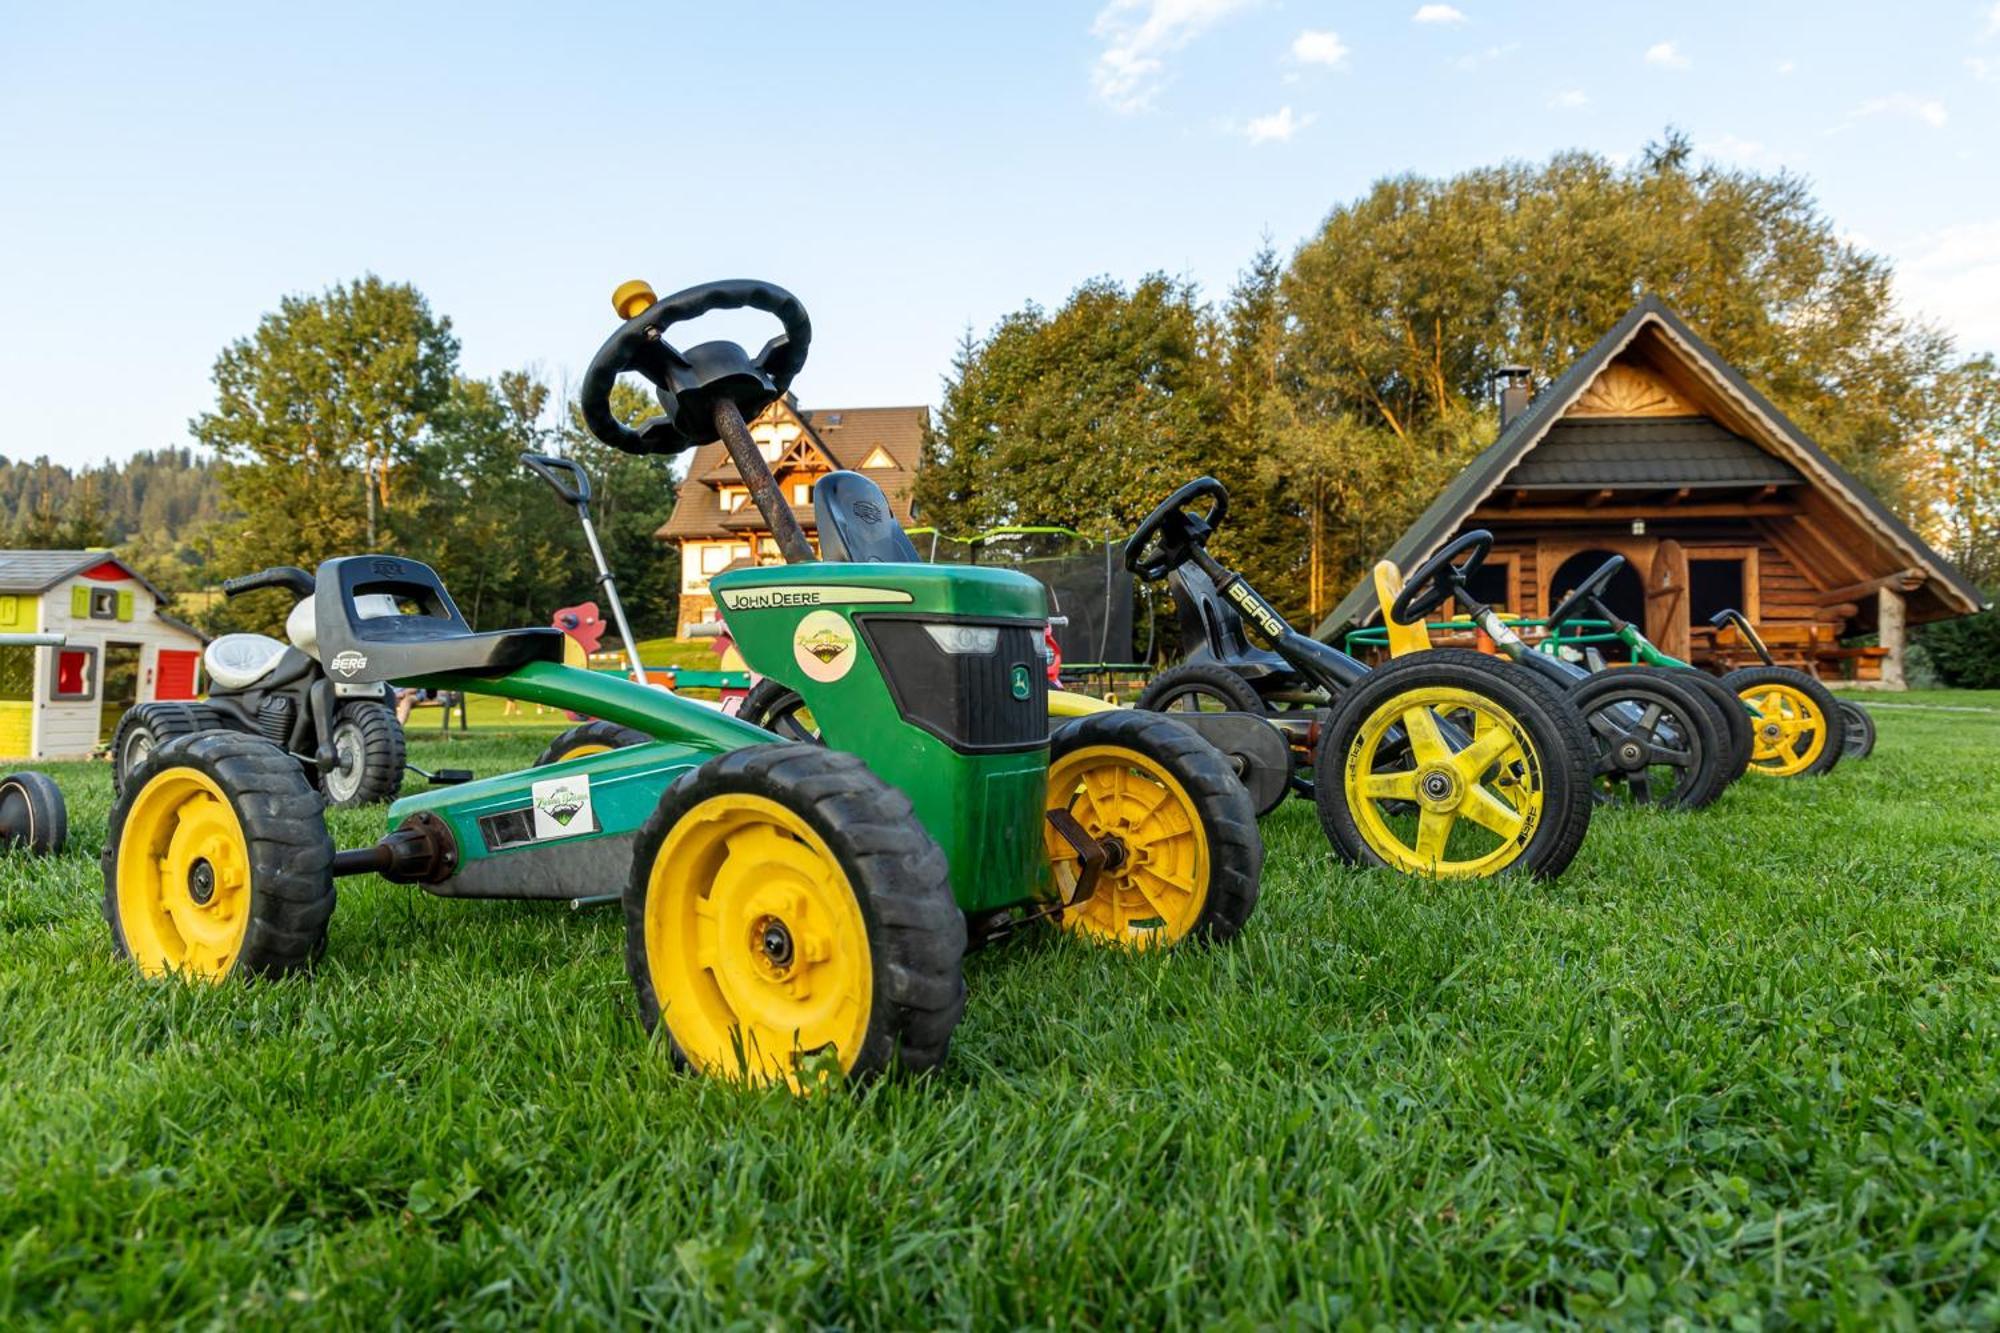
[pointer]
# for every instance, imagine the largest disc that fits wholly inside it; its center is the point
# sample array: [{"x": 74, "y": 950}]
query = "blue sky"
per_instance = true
[{"x": 168, "y": 172}]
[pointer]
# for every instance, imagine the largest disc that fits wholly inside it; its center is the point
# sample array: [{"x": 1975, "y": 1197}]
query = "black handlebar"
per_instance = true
[
  {"x": 1589, "y": 592},
  {"x": 565, "y": 476},
  {"x": 691, "y": 384},
  {"x": 1440, "y": 578},
  {"x": 1177, "y": 530},
  {"x": 289, "y": 577},
  {"x": 1729, "y": 615}
]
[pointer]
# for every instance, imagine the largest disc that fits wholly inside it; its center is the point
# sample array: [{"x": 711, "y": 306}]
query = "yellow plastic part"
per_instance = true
[
  {"x": 174, "y": 917},
  {"x": 735, "y": 874},
  {"x": 1068, "y": 703},
  {"x": 630, "y": 298},
  {"x": 1789, "y": 733},
  {"x": 582, "y": 750},
  {"x": 1158, "y": 892},
  {"x": 1403, "y": 639},
  {"x": 1467, "y": 813}
]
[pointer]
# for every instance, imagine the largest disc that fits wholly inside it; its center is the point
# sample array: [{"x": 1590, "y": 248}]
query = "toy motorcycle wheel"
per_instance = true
[
  {"x": 368, "y": 741},
  {"x": 1200, "y": 687},
  {"x": 1185, "y": 855},
  {"x": 787, "y": 916},
  {"x": 33, "y": 815},
  {"x": 1655, "y": 740},
  {"x": 218, "y": 862},
  {"x": 1857, "y": 731},
  {"x": 590, "y": 738},
  {"x": 146, "y": 727},
  {"x": 1447, "y": 763},
  {"x": 1796, "y": 727}
]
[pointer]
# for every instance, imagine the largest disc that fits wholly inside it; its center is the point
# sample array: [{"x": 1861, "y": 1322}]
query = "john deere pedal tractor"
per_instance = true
[{"x": 789, "y": 909}]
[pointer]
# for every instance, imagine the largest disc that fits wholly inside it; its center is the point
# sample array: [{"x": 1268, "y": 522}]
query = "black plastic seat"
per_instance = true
[
  {"x": 407, "y": 626},
  {"x": 856, "y": 524},
  {"x": 1217, "y": 629}
]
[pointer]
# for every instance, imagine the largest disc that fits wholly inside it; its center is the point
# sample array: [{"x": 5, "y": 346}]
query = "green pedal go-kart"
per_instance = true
[{"x": 790, "y": 909}]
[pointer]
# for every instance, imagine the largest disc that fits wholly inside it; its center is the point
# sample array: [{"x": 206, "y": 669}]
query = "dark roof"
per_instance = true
[
  {"x": 1582, "y": 452},
  {"x": 847, "y": 435},
  {"x": 1486, "y": 471},
  {"x": 38, "y": 571}
]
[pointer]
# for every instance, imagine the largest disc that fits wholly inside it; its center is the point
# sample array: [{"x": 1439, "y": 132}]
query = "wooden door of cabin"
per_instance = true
[{"x": 1667, "y": 599}]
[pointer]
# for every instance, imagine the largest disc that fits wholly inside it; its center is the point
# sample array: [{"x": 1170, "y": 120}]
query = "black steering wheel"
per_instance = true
[
  {"x": 1585, "y": 593},
  {"x": 1173, "y": 531},
  {"x": 1439, "y": 578},
  {"x": 691, "y": 384}
]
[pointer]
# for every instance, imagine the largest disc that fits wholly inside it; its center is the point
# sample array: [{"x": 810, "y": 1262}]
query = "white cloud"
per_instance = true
[
  {"x": 1572, "y": 100},
  {"x": 1437, "y": 14},
  {"x": 1953, "y": 276},
  {"x": 1992, "y": 23},
  {"x": 1319, "y": 47},
  {"x": 1278, "y": 127},
  {"x": 1785, "y": 67},
  {"x": 1486, "y": 57},
  {"x": 1982, "y": 68},
  {"x": 1730, "y": 148},
  {"x": 1667, "y": 55},
  {"x": 1138, "y": 35},
  {"x": 1927, "y": 109}
]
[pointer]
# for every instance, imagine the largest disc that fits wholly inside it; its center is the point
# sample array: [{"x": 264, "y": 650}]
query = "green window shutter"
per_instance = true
[
  {"x": 79, "y": 602},
  {"x": 124, "y": 606}
]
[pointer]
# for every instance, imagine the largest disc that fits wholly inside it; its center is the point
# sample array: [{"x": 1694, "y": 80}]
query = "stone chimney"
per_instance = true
[{"x": 1516, "y": 392}]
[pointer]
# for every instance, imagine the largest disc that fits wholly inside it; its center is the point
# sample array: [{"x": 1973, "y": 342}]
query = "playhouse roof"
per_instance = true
[
  {"x": 38, "y": 571},
  {"x": 1544, "y": 446}
]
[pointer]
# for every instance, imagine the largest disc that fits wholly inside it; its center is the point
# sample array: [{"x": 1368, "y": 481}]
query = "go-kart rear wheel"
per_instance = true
[
  {"x": 146, "y": 727},
  {"x": 1656, "y": 741},
  {"x": 787, "y": 914},
  {"x": 1857, "y": 731},
  {"x": 1186, "y": 858},
  {"x": 218, "y": 862},
  {"x": 1448, "y": 763},
  {"x": 33, "y": 816},
  {"x": 368, "y": 741},
  {"x": 1200, "y": 687},
  {"x": 589, "y": 738},
  {"x": 1796, "y": 728}
]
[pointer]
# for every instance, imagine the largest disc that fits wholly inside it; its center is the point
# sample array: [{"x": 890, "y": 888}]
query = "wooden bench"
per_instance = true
[{"x": 1813, "y": 647}]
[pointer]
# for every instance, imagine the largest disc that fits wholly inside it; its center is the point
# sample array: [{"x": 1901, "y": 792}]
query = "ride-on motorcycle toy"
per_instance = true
[
  {"x": 342, "y": 728},
  {"x": 1444, "y": 763},
  {"x": 788, "y": 910},
  {"x": 1655, "y": 737}
]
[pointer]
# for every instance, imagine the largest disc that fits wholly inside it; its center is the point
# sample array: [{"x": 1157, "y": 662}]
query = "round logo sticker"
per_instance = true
[{"x": 823, "y": 645}]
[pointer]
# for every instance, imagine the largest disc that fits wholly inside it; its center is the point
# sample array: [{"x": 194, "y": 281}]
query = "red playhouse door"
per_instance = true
[{"x": 177, "y": 673}]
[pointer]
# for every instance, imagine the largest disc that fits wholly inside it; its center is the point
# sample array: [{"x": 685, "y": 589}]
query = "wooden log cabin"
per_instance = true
[{"x": 1652, "y": 447}]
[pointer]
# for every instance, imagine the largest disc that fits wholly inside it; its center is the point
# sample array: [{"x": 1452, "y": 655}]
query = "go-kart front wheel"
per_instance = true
[
  {"x": 788, "y": 914},
  {"x": 1449, "y": 763},
  {"x": 1185, "y": 857},
  {"x": 218, "y": 862},
  {"x": 1795, "y": 723}
]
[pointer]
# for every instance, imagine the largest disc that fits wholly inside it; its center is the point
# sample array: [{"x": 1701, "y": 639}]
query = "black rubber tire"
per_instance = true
[
  {"x": 1192, "y": 680},
  {"x": 1746, "y": 678},
  {"x": 1228, "y": 820},
  {"x": 33, "y": 815},
  {"x": 1857, "y": 731},
  {"x": 146, "y": 727},
  {"x": 1728, "y": 708},
  {"x": 1684, "y": 707},
  {"x": 775, "y": 707},
  {"x": 916, "y": 934},
  {"x": 1550, "y": 719},
  {"x": 375, "y": 739},
  {"x": 590, "y": 735},
  {"x": 284, "y": 826}
]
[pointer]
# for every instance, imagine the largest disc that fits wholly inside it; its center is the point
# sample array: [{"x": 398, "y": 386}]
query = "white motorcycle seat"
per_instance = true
[{"x": 238, "y": 661}]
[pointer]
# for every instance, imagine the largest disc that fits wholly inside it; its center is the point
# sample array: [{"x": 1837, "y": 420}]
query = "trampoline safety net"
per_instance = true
[{"x": 1088, "y": 583}]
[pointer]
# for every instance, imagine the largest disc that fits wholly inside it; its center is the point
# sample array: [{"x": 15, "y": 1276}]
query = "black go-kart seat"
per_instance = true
[
  {"x": 1216, "y": 627},
  {"x": 382, "y": 617},
  {"x": 856, "y": 524}
]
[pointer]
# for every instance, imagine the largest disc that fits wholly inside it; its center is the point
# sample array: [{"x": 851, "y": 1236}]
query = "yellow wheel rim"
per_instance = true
[
  {"x": 183, "y": 877},
  {"x": 1158, "y": 889},
  {"x": 1428, "y": 809},
  {"x": 1789, "y": 732},
  {"x": 755, "y": 943},
  {"x": 593, "y": 747}
]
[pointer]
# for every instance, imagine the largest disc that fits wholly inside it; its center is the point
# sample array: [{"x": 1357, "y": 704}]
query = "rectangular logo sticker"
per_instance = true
[
  {"x": 808, "y": 594},
  {"x": 562, "y": 807}
]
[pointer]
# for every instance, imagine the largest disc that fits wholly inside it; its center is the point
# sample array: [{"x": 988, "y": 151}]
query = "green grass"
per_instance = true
[{"x": 1741, "y": 1067}]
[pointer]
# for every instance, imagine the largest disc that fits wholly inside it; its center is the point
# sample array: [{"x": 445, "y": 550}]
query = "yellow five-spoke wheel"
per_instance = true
[
  {"x": 1795, "y": 724},
  {"x": 1449, "y": 763},
  {"x": 218, "y": 861},
  {"x": 788, "y": 916},
  {"x": 1183, "y": 854}
]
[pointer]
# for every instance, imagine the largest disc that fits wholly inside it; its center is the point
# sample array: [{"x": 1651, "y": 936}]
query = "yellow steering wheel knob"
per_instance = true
[{"x": 632, "y": 297}]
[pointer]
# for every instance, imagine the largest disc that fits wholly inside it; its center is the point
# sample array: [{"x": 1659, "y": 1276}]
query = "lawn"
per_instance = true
[{"x": 1742, "y": 1067}]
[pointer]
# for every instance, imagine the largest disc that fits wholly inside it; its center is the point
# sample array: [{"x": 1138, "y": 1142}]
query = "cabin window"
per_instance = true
[
  {"x": 1493, "y": 582},
  {"x": 75, "y": 675},
  {"x": 802, "y": 492},
  {"x": 732, "y": 500},
  {"x": 713, "y": 558},
  {"x": 1717, "y": 583},
  {"x": 878, "y": 458}
]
